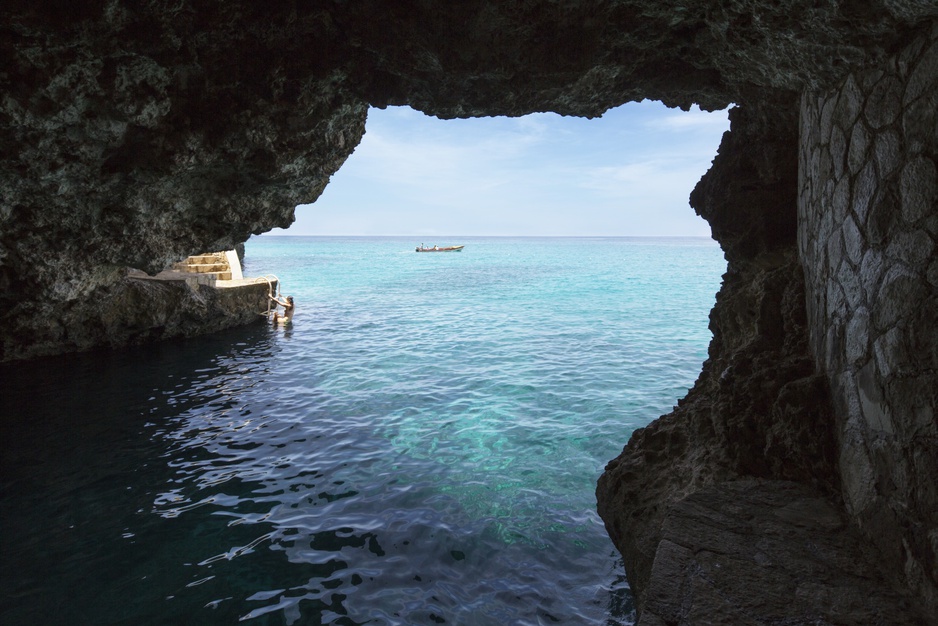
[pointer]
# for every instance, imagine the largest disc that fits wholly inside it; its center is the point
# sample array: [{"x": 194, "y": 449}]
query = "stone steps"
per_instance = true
[
  {"x": 204, "y": 268},
  {"x": 215, "y": 257},
  {"x": 213, "y": 265}
]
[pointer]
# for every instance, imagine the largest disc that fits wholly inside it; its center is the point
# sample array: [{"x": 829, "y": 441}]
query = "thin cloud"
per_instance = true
[
  {"x": 628, "y": 173},
  {"x": 404, "y": 156}
]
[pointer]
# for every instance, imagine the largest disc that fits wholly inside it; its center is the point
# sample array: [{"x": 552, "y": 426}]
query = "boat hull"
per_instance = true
[{"x": 443, "y": 249}]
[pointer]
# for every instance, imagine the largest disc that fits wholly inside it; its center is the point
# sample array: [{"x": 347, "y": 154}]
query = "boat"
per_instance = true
[{"x": 422, "y": 248}]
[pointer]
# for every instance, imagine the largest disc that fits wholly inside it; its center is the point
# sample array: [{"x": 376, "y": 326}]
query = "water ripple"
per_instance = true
[{"x": 421, "y": 447}]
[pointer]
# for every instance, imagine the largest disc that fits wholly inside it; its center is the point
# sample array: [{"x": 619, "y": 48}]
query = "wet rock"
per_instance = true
[
  {"x": 871, "y": 321},
  {"x": 757, "y": 409},
  {"x": 137, "y": 309}
]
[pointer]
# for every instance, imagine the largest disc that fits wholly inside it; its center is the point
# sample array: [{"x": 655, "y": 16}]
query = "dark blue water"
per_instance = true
[{"x": 420, "y": 447}]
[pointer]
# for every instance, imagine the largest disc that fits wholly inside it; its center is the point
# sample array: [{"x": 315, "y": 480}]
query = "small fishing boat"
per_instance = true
[{"x": 439, "y": 248}]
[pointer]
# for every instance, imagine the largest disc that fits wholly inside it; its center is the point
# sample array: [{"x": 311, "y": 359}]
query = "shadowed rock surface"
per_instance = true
[
  {"x": 766, "y": 552},
  {"x": 135, "y": 134}
]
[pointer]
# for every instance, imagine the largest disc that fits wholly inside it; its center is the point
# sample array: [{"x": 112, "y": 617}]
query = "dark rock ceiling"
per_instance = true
[{"x": 135, "y": 133}]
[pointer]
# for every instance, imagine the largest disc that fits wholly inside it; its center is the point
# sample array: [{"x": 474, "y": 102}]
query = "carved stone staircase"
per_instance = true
[{"x": 214, "y": 265}]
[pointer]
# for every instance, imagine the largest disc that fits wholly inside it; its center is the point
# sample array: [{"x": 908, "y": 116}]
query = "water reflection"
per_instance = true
[
  {"x": 214, "y": 480},
  {"x": 82, "y": 465}
]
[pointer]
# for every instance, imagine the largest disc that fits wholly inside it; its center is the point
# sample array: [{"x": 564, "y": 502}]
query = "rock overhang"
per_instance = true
[{"x": 171, "y": 128}]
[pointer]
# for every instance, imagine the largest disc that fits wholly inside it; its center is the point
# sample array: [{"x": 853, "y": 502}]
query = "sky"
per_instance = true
[{"x": 628, "y": 173}]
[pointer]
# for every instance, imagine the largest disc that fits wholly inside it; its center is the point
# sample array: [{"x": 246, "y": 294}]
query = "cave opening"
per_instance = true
[
  {"x": 627, "y": 173},
  {"x": 138, "y": 133},
  {"x": 425, "y": 440},
  {"x": 514, "y": 370}
]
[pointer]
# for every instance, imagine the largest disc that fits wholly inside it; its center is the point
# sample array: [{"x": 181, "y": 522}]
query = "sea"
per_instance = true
[{"x": 420, "y": 446}]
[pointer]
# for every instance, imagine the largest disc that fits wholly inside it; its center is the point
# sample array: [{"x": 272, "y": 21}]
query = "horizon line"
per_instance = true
[{"x": 268, "y": 234}]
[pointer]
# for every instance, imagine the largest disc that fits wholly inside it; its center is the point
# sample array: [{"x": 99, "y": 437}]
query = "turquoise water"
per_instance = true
[{"x": 420, "y": 447}]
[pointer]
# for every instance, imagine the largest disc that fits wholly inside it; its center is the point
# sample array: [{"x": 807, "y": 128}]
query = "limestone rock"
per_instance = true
[
  {"x": 757, "y": 409},
  {"x": 138, "y": 309},
  {"x": 767, "y": 552}
]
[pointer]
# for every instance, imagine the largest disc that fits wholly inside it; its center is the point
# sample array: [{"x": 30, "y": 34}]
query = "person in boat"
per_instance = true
[{"x": 288, "y": 310}]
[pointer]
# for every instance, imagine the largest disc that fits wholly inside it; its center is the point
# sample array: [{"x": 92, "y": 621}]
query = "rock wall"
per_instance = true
[
  {"x": 132, "y": 310},
  {"x": 868, "y": 214},
  {"x": 758, "y": 409},
  {"x": 135, "y": 134},
  {"x": 826, "y": 382}
]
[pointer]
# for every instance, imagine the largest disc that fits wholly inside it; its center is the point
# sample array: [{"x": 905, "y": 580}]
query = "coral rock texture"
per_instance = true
[{"x": 137, "y": 133}]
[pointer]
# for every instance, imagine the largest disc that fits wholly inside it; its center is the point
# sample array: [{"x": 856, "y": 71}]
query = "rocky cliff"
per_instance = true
[
  {"x": 820, "y": 390},
  {"x": 136, "y": 133}
]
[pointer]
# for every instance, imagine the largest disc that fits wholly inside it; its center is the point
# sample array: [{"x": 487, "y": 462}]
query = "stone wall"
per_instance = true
[
  {"x": 132, "y": 308},
  {"x": 859, "y": 220},
  {"x": 868, "y": 213},
  {"x": 757, "y": 411}
]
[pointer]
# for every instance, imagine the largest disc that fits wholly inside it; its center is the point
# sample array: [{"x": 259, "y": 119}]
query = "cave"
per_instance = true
[{"x": 796, "y": 482}]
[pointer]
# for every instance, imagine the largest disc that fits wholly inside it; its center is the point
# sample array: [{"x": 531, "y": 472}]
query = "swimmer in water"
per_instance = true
[{"x": 288, "y": 310}]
